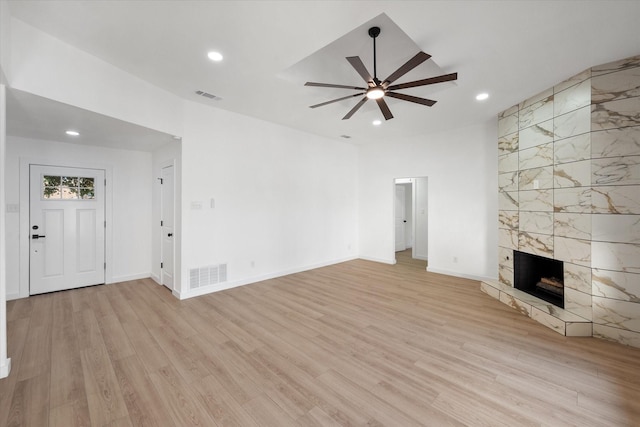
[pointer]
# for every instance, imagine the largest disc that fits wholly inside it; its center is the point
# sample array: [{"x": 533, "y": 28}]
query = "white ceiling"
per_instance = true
[{"x": 511, "y": 49}]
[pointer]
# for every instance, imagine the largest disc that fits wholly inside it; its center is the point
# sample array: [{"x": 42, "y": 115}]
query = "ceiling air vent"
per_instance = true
[
  {"x": 345, "y": 136},
  {"x": 208, "y": 95}
]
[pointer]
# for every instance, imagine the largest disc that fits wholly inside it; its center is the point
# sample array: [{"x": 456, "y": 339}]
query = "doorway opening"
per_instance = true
[{"x": 411, "y": 220}]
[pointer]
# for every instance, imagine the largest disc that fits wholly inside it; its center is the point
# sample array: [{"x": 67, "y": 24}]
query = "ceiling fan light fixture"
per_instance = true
[
  {"x": 375, "y": 93},
  {"x": 376, "y": 122},
  {"x": 482, "y": 96},
  {"x": 72, "y": 133}
]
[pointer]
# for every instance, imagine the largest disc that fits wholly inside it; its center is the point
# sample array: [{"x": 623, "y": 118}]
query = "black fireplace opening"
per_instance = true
[{"x": 539, "y": 276}]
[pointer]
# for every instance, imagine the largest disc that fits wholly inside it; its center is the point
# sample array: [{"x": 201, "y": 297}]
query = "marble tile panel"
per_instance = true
[
  {"x": 616, "y": 285},
  {"x": 621, "y": 199},
  {"x": 621, "y": 84},
  {"x": 572, "y": 98},
  {"x": 571, "y": 81},
  {"x": 512, "y": 302},
  {"x": 572, "y": 225},
  {"x": 575, "y": 200},
  {"x": 490, "y": 290},
  {"x": 616, "y": 171},
  {"x": 508, "y": 143},
  {"x": 508, "y": 163},
  {"x": 611, "y": 67},
  {"x": 618, "y": 335},
  {"x": 574, "y": 251},
  {"x": 537, "y": 222},
  {"x": 536, "y": 200},
  {"x": 616, "y": 142},
  {"x": 508, "y": 181},
  {"x": 505, "y": 275},
  {"x": 578, "y": 303},
  {"x": 536, "y": 157},
  {"x": 616, "y": 256},
  {"x": 548, "y": 320},
  {"x": 572, "y": 149},
  {"x": 579, "y": 329},
  {"x": 577, "y": 277},
  {"x": 571, "y": 124},
  {"x": 537, "y": 178},
  {"x": 574, "y": 174},
  {"x": 507, "y": 125},
  {"x": 505, "y": 257},
  {"x": 538, "y": 134},
  {"x": 509, "y": 111},
  {"x": 557, "y": 312},
  {"x": 536, "y": 244},
  {"x": 508, "y": 238},
  {"x": 615, "y": 114},
  {"x": 508, "y": 219},
  {"x": 536, "y": 98},
  {"x": 539, "y": 111},
  {"x": 508, "y": 200},
  {"x": 616, "y": 314},
  {"x": 616, "y": 228}
]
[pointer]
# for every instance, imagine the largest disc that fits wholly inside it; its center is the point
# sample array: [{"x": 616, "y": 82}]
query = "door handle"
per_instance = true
[
  {"x": 170, "y": 235},
  {"x": 36, "y": 236}
]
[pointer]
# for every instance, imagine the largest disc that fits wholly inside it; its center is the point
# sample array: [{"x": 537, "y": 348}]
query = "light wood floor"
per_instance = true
[{"x": 357, "y": 343}]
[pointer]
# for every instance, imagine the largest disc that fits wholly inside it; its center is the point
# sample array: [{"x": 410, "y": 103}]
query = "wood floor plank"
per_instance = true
[{"x": 356, "y": 343}]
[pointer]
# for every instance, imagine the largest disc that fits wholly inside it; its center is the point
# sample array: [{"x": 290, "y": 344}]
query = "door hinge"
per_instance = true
[
  {"x": 161, "y": 223},
  {"x": 162, "y": 265},
  {"x": 105, "y": 265},
  {"x": 161, "y": 181},
  {"x": 105, "y": 224},
  {"x": 105, "y": 182}
]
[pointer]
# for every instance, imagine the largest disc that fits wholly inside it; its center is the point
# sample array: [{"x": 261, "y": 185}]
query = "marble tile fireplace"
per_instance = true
[{"x": 569, "y": 191}]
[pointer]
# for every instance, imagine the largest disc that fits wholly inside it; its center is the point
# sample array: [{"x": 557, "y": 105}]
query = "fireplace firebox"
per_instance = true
[{"x": 539, "y": 276}]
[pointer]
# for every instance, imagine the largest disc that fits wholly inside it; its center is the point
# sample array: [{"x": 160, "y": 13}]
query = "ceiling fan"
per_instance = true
[{"x": 377, "y": 89}]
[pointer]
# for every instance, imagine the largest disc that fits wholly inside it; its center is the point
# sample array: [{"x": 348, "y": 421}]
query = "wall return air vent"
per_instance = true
[{"x": 206, "y": 276}]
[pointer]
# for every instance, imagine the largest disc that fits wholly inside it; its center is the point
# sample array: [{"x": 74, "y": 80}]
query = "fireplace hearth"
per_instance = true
[{"x": 539, "y": 276}]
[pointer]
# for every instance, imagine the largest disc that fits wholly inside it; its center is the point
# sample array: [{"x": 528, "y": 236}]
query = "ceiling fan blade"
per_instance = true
[
  {"x": 356, "y": 63},
  {"x": 335, "y": 100},
  {"x": 418, "y": 59},
  {"x": 356, "y": 108},
  {"x": 384, "y": 108},
  {"x": 424, "y": 82},
  {"x": 423, "y": 101},
  {"x": 335, "y": 86}
]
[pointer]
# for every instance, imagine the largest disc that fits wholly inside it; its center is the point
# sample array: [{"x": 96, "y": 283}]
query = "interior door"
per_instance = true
[
  {"x": 67, "y": 228},
  {"x": 400, "y": 219},
  {"x": 167, "y": 226}
]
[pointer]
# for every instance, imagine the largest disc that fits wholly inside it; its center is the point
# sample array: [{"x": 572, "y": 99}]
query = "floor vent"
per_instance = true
[
  {"x": 209, "y": 275},
  {"x": 208, "y": 95}
]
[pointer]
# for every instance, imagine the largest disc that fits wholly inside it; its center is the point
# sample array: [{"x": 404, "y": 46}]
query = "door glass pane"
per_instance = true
[
  {"x": 50, "y": 181},
  {"x": 69, "y": 193},
  {"x": 86, "y": 182},
  {"x": 51, "y": 193},
  {"x": 69, "y": 181},
  {"x": 87, "y": 193}
]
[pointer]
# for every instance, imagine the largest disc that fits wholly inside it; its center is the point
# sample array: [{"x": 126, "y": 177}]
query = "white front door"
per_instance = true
[
  {"x": 167, "y": 227},
  {"x": 66, "y": 228},
  {"x": 400, "y": 218}
]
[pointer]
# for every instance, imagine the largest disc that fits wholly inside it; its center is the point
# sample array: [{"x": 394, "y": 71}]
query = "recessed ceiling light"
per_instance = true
[
  {"x": 215, "y": 56},
  {"x": 377, "y": 122},
  {"x": 72, "y": 133},
  {"x": 482, "y": 96}
]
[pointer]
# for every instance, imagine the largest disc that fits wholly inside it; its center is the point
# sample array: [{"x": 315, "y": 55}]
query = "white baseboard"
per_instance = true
[
  {"x": 382, "y": 260},
  {"x": 155, "y": 278},
  {"x": 5, "y": 368},
  {"x": 126, "y": 278},
  {"x": 457, "y": 274},
  {"x": 14, "y": 296},
  {"x": 228, "y": 285}
]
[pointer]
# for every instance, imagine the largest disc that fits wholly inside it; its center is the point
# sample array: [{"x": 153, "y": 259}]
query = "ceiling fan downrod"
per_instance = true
[{"x": 374, "y": 32}]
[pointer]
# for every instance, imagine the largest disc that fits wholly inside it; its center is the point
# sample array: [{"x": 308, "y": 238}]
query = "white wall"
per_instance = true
[
  {"x": 128, "y": 210},
  {"x": 421, "y": 245},
  {"x": 461, "y": 167},
  {"x": 284, "y": 200}
]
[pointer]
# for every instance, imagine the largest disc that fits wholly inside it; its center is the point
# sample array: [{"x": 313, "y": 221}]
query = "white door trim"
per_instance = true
[
  {"x": 162, "y": 166},
  {"x": 25, "y": 163}
]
